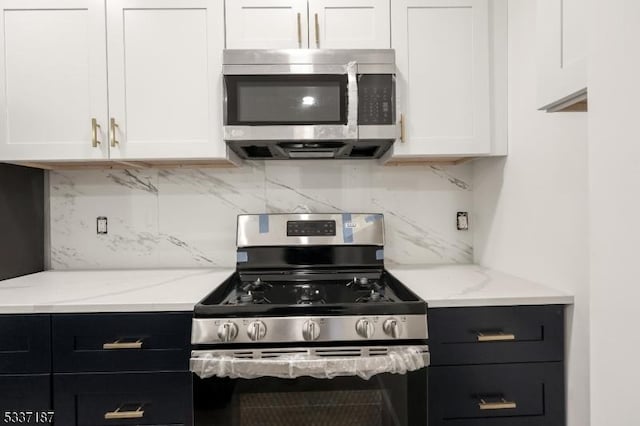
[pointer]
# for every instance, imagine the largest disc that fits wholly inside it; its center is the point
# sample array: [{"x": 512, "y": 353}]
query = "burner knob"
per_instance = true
[
  {"x": 365, "y": 328},
  {"x": 256, "y": 330},
  {"x": 392, "y": 328},
  {"x": 311, "y": 330},
  {"x": 227, "y": 331}
]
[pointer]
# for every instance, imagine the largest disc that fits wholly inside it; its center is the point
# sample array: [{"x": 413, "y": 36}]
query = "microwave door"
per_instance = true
[
  {"x": 306, "y": 106},
  {"x": 277, "y": 100}
]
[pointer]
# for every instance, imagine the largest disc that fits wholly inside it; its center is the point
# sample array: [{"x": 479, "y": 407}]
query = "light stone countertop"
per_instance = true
[
  {"x": 181, "y": 289},
  {"x": 448, "y": 286},
  {"x": 109, "y": 291}
]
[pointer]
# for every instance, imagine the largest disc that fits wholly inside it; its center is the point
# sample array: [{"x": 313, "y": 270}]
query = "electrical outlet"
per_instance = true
[
  {"x": 462, "y": 221},
  {"x": 101, "y": 225}
]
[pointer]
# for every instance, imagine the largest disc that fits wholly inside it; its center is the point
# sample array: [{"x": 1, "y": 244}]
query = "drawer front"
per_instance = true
[
  {"x": 25, "y": 344},
  {"x": 123, "y": 399},
  {"x": 24, "y": 392},
  {"x": 121, "y": 342},
  {"x": 491, "y": 335},
  {"x": 497, "y": 395}
]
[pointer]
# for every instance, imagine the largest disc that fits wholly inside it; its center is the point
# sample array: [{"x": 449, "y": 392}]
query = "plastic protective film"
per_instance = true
[{"x": 289, "y": 366}]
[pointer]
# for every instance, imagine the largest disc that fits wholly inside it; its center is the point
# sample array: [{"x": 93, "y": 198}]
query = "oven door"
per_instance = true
[
  {"x": 290, "y": 102},
  {"x": 271, "y": 389}
]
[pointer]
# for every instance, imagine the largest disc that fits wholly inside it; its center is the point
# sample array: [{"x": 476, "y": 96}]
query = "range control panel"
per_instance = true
[
  {"x": 376, "y": 99},
  {"x": 311, "y": 228}
]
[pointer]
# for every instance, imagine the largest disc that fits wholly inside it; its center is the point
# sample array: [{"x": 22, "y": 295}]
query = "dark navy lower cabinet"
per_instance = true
[
  {"x": 121, "y": 342},
  {"x": 25, "y": 368},
  {"x": 25, "y": 344},
  {"x": 497, "y": 395},
  {"x": 157, "y": 398},
  {"x": 502, "y": 334},
  {"x": 21, "y": 394},
  {"x": 497, "y": 366}
]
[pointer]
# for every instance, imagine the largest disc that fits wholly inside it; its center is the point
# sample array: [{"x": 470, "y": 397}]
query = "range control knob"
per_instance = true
[
  {"x": 365, "y": 328},
  {"x": 227, "y": 331},
  {"x": 257, "y": 330},
  {"x": 392, "y": 328},
  {"x": 311, "y": 330}
]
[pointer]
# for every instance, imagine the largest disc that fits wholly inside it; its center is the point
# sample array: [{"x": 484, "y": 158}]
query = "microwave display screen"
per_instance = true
[{"x": 286, "y": 100}]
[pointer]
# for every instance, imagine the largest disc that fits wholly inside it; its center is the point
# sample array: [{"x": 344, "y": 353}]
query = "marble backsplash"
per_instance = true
[{"x": 186, "y": 217}]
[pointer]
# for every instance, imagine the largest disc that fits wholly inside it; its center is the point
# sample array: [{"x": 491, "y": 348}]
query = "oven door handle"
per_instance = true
[{"x": 321, "y": 363}]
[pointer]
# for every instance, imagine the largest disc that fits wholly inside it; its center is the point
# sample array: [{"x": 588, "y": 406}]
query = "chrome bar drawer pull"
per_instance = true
[
  {"x": 120, "y": 414},
  {"x": 495, "y": 337},
  {"x": 119, "y": 344},
  {"x": 498, "y": 405}
]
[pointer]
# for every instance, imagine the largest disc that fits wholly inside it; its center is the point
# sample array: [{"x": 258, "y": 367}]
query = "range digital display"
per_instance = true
[{"x": 311, "y": 228}]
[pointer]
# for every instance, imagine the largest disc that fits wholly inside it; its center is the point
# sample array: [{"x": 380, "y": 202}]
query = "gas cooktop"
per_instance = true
[
  {"x": 304, "y": 291},
  {"x": 310, "y": 277},
  {"x": 328, "y": 292}
]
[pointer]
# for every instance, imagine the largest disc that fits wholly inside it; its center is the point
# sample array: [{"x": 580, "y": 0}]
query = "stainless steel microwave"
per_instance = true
[{"x": 309, "y": 104}]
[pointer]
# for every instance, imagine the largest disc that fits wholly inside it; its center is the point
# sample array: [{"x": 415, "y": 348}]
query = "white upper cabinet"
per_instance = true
[
  {"x": 267, "y": 24},
  {"x": 292, "y": 24},
  {"x": 562, "y": 54},
  {"x": 443, "y": 59},
  {"x": 53, "y": 80},
  {"x": 352, "y": 24},
  {"x": 165, "y": 88},
  {"x": 163, "y": 98}
]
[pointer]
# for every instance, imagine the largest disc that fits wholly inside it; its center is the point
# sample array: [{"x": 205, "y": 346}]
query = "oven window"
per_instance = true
[
  {"x": 286, "y": 100},
  {"x": 384, "y": 400}
]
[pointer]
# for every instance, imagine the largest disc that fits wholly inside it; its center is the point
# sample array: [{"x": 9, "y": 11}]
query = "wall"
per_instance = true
[
  {"x": 614, "y": 192},
  {"x": 530, "y": 210},
  {"x": 22, "y": 219},
  {"x": 187, "y": 217}
]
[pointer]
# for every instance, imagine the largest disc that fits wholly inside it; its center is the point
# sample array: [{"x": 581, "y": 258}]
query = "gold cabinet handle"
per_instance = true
[
  {"x": 299, "y": 30},
  {"x": 499, "y": 405},
  {"x": 112, "y": 132},
  {"x": 123, "y": 345},
  {"x": 402, "y": 129},
  {"x": 317, "y": 31},
  {"x": 118, "y": 414},
  {"x": 496, "y": 337},
  {"x": 94, "y": 133}
]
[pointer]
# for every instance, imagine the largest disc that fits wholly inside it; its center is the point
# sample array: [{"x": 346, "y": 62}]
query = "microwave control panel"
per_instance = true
[{"x": 376, "y": 99}]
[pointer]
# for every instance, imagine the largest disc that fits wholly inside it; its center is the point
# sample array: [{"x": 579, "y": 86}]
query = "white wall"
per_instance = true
[
  {"x": 614, "y": 190},
  {"x": 530, "y": 210}
]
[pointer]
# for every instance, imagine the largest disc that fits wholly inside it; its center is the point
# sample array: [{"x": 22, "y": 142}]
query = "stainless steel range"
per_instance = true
[{"x": 310, "y": 300}]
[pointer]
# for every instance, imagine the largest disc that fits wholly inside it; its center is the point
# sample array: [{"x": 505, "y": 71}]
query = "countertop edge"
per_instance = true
[{"x": 498, "y": 301}]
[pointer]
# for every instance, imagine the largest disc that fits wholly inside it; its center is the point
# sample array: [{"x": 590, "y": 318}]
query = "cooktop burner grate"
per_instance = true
[{"x": 303, "y": 290}]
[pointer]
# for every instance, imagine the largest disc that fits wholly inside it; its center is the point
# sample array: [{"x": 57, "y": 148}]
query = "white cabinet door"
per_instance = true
[
  {"x": 349, "y": 24},
  {"x": 442, "y": 49},
  {"x": 562, "y": 51},
  {"x": 267, "y": 24},
  {"x": 165, "y": 78},
  {"x": 53, "y": 79}
]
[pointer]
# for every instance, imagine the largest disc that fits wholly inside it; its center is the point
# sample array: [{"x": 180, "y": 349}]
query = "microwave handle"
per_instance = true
[{"x": 352, "y": 92}]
